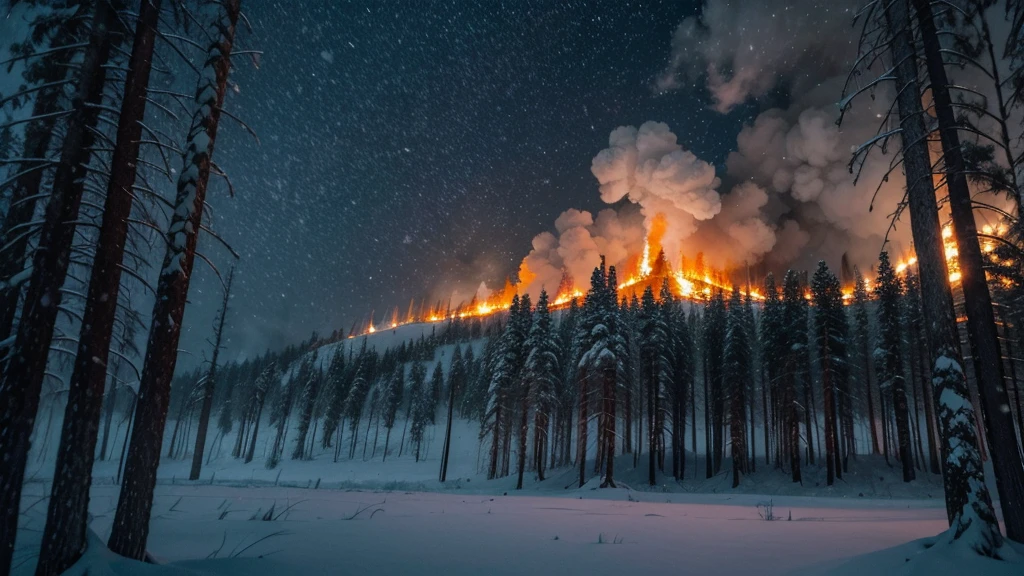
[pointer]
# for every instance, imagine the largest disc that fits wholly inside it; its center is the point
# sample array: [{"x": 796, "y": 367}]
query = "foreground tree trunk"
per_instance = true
[
  {"x": 981, "y": 321},
  {"x": 22, "y": 382},
  {"x": 968, "y": 503},
  {"x": 131, "y": 521},
  {"x": 64, "y": 537}
]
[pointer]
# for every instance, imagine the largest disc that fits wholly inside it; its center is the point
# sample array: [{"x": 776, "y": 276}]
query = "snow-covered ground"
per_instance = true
[
  {"x": 377, "y": 515},
  {"x": 587, "y": 531}
]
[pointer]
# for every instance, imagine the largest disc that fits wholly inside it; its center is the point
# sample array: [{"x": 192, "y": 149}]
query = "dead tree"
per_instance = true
[{"x": 211, "y": 380}]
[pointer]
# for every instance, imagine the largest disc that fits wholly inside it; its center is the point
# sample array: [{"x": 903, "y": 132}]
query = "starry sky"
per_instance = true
[{"x": 407, "y": 148}]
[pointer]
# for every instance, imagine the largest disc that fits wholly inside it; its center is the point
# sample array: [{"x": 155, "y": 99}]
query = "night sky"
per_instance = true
[{"x": 408, "y": 148}]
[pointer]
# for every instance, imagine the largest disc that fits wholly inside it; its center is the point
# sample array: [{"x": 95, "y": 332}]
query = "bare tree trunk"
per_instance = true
[
  {"x": 981, "y": 322},
  {"x": 22, "y": 381},
  {"x": 131, "y": 521},
  {"x": 211, "y": 381}
]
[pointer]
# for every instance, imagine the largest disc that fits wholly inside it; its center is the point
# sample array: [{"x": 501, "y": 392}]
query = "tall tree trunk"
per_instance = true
[
  {"x": 22, "y": 381},
  {"x": 131, "y": 521},
  {"x": 609, "y": 410},
  {"x": 793, "y": 426},
  {"x": 581, "y": 435},
  {"x": 902, "y": 412},
  {"x": 67, "y": 517},
  {"x": 737, "y": 434},
  {"x": 708, "y": 464},
  {"x": 108, "y": 413},
  {"x": 251, "y": 451},
  {"x": 652, "y": 448},
  {"x": 492, "y": 468},
  {"x": 211, "y": 381},
  {"x": 767, "y": 426},
  {"x": 981, "y": 322},
  {"x": 866, "y": 369},
  {"x": 828, "y": 406},
  {"x": 968, "y": 503},
  {"x": 521, "y": 437},
  {"x": 447, "y": 434}
]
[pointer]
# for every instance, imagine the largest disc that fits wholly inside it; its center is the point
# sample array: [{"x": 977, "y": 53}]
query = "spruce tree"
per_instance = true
[{"x": 830, "y": 334}]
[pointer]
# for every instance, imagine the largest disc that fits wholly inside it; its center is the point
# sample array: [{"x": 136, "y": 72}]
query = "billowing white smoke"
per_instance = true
[
  {"x": 743, "y": 49},
  {"x": 577, "y": 248},
  {"x": 787, "y": 197}
]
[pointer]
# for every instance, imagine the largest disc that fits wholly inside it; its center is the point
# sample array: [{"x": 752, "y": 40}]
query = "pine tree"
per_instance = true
[
  {"x": 457, "y": 376},
  {"x": 653, "y": 352},
  {"x": 772, "y": 338},
  {"x": 968, "y": 502},
  {"x": 682, "y": 375},
  {"x": 64, "y": 537},
  {"x": 419, "y": 404},
  {"x": 981, "y": 321},
  {"x": 21, "y": 377},
  {"x": 919, "y": 346},
  {"x": 436, "y": 389},
  {"x": 337, "y": 383},
  {"x": 862, "y": 350},
  {"x": 309, "y": 380},
  {"x": 541, "y": 374},
  {"x": 280, "y": 415},
  {"x": 357, "y": 395},
  {"x": 713, "y": 344},
  {"x": 830, "y": 333},
  {"x": 736, "y": 379},
  {"x": 505, "y": 379},
  {"x": 393, "y": 394},
  {"x": 269, "y": 377},
  {"x": 889, "y": 290},
  {"x": 795, "y": 374}
]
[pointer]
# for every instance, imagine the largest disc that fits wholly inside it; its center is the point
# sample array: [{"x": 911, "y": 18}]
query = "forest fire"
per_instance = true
[{"x": 692, "y": 279}]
